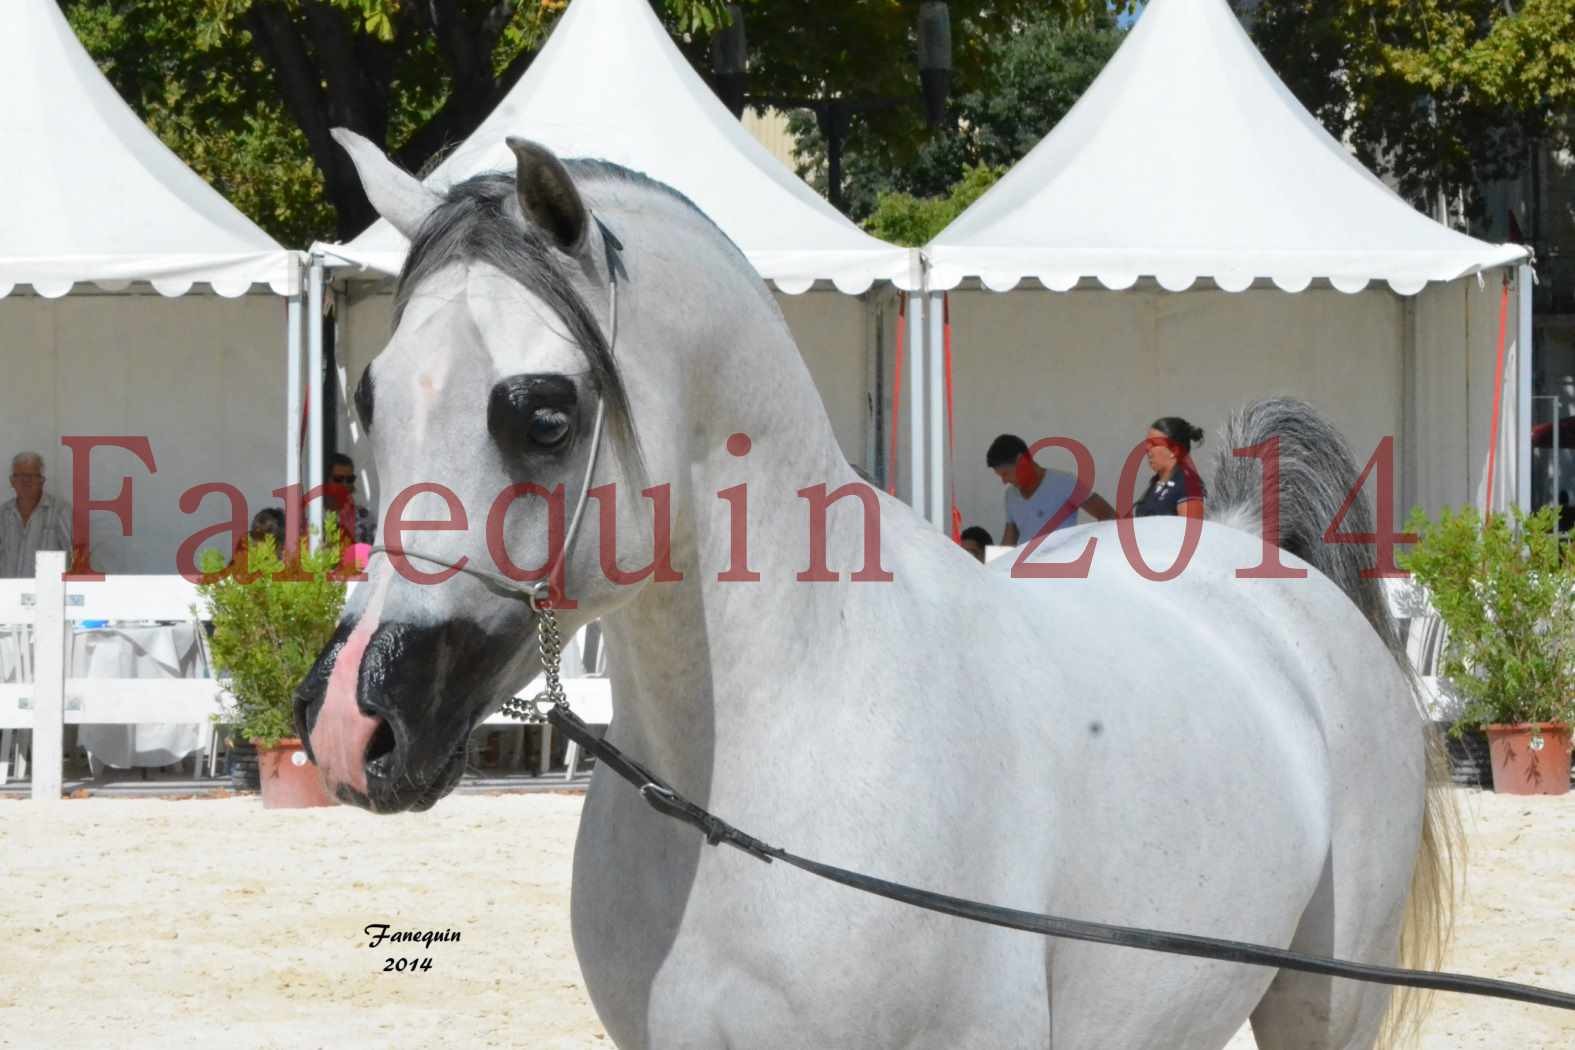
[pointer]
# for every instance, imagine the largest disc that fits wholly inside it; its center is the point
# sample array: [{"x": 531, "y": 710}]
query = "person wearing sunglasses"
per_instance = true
[
  {"x": 1176, "y": 487},
  {"x": 341, "y": 493}
]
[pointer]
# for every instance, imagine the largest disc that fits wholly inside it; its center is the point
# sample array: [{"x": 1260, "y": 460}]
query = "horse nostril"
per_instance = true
[{"x": 381, "y": 745}]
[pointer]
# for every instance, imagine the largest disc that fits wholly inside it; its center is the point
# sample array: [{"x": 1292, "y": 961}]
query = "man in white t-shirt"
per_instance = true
[{"x": 1034, "y": 495}]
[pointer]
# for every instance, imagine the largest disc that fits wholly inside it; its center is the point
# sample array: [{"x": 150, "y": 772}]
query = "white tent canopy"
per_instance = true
[
  {"x": 91, "y": 202},
  {"x": 609, "y": 84},
  {"x": 1188, "y": 167},
  {"x": 1189, "y": 160},
  {"x": 90, "y": 194}
]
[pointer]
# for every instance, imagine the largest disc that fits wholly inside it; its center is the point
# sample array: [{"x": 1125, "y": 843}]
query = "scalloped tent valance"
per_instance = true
[
  {"x": 610, "y": 85},
  {"x": 228, "y": 280},
  {"x": 1189, "y": 160},
  {"x": 92, "y": 195},
  {"x": 1180, "y": 280}
]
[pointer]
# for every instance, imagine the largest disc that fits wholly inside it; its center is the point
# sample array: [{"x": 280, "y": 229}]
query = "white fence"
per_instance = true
[
  {"x": 51, "y": 700},
  {"x": 46, "y": 699}
]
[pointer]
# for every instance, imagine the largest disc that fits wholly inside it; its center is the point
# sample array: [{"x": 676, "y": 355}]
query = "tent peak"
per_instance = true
[
  {"x": 1186, "y": 160},
  {"x": 100, "y": 197}
]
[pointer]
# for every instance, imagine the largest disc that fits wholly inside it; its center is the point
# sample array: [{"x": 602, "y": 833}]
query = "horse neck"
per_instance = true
[{"x": 681, "y": 649}]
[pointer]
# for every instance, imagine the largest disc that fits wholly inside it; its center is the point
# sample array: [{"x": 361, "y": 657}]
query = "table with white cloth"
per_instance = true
[
  {"x": 16, "y": 651},
  {"x": 128, "y": 650},
  {"x": 15, "y": 648}
]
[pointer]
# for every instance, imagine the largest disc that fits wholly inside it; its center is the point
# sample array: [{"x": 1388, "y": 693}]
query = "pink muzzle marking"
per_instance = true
[{"x": 342, "y": 733}]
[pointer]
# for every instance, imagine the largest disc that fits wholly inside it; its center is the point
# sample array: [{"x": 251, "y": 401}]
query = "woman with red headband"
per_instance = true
[{"x": 1176, "y": 488}]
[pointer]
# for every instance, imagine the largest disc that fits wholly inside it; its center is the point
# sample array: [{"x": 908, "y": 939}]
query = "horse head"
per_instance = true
[{"x": 482, "y": 414}]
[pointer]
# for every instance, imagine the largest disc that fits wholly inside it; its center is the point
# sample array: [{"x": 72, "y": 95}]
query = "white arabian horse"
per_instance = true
[{"x": 1210, "y": 755}]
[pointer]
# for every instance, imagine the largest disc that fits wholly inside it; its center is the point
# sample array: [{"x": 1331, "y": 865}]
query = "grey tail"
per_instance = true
[{"x": 1316, "y": 475}]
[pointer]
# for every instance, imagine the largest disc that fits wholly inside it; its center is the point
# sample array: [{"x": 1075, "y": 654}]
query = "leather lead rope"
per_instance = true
[{"x": 670, "y": 803}]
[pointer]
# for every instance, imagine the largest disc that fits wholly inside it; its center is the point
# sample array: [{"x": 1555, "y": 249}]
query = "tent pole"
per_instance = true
[
  {"x": 1411, "y": 416},
  {"x": 1523, "y": 352},
  {"x": 874, "y": 385},
  {"x": 934, "y": 352},
  {"x": 292, "y": 411},
  {"x": 314, "y": 386},
  {"x": 918, "y": 337}
]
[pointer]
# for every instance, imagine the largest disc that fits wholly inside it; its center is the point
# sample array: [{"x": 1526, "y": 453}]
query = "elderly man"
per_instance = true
[{"x": 34, "y": 521}]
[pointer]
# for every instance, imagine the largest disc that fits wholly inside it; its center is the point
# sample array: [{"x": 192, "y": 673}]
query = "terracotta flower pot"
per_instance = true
[
  {"x": 1532, "y": 759},
  {"x": 289, "y": 779}
]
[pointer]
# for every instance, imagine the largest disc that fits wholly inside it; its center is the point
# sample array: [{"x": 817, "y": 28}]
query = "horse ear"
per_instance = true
[
  {"x": 547, "y": 194},
  {"x": 397, "y": 195}
]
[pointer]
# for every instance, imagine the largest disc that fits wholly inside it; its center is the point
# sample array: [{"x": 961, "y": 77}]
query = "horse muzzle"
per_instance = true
[{"x": 388, "y": 708}]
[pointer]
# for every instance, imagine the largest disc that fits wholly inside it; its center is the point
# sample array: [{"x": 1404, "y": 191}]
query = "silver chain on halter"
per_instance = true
[{"x": 550, "y": 643}]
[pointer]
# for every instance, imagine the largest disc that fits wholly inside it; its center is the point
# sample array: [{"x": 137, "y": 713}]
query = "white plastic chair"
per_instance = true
[
  {"x": 209, "y": 749},
  {"x": 1424, "y": 635}
]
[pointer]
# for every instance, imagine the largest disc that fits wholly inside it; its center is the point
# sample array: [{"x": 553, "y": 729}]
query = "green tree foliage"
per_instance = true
[
  {"x": 1042, "y": 68},
  {"x": 1520, "y": 55},
  {"x": 1039, "y": 74},
  {"x": 866, "y": 49},
  {"x": 414, "y": 77},
  {"x": 1444, "y": 95},
  {"x": 216, "y": 108},
  {"x": 269, "y": 624},
  {"x": 901, "y": 218},
  {"x": 246, "y": 91}
]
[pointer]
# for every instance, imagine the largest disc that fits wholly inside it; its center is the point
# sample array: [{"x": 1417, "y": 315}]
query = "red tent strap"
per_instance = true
[
  {"x": 306, "y": 417},
  {"x": 896, "y": 394},
  {"x": 1498, "y": 395}
]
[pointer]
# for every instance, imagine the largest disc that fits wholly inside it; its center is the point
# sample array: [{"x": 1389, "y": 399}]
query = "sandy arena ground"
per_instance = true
[{"x": 158, "y": 924}]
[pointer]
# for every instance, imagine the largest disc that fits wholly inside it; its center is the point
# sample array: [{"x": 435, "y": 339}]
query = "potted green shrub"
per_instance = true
[
  {"x": 1506, "y": 594},
  {"x": 270, "y": 621}
]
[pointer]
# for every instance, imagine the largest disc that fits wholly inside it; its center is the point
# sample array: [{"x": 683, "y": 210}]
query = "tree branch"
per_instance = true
[
  {"x": 279, "y": 43},
  {"x": 474, "y": 92},
  {"x": 510, "y": 76},
  {"x": 275, "y": 38},
  {"x": 448, "y": 125},
  {"x": 502, "y": 12},
  {"x": 354, "y": 101},
  {"x": 462, "y": 50}
]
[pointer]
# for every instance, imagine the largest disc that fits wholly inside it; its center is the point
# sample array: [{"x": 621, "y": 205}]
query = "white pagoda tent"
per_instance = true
[
  {"x": 137, "y": 301},
  {"x": 1189, "y": 238},
  {"x": 610, "y": 84}
]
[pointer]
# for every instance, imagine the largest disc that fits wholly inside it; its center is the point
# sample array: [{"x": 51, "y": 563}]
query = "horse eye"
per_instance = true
[
  {"x": 548, "y": 427},
  {"x": 532, "y": 413}
]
